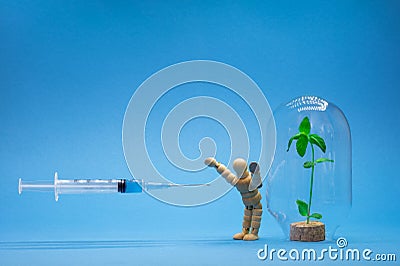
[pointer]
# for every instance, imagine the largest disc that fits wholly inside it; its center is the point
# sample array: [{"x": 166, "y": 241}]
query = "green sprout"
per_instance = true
[{"x": 303, "y": 138}]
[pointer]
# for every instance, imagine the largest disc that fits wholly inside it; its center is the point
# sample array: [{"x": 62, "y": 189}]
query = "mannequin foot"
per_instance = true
[
  {"x": 239, "y": 236},
  {"x": 250, "y": 237}
]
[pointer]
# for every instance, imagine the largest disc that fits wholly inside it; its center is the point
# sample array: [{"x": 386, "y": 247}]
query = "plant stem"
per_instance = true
[{"x": 311, "y": 183}]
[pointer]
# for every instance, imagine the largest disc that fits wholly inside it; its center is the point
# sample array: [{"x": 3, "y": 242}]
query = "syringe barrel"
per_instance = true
[{"x": 82, "y": 186}]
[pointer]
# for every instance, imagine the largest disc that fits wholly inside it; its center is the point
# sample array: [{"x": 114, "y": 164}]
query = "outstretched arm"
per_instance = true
[{"x": 221, "y": 169}]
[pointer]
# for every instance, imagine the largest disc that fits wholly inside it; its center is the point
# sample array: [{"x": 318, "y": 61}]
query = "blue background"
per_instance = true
[{"x": 69, "y": 69}]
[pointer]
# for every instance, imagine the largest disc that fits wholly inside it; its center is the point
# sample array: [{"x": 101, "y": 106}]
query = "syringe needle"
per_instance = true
[
  {"x": 154, "y": 185},
  {"x": 188, "y": 185}
]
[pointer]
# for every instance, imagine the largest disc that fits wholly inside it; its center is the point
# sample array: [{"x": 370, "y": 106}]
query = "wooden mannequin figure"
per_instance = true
[{"x": 247, "y": 184}]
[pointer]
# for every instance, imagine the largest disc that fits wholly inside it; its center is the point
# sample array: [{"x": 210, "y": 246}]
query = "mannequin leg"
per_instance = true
[
  {"x": 255, "y": 223},
  {"x": 246, "y": 225}
]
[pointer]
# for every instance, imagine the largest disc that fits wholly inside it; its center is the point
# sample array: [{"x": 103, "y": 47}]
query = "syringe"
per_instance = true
[{"x": 81, "y": 186}]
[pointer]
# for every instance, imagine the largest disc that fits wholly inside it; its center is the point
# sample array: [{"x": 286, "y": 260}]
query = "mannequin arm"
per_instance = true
[{"x": 222, "y": 170}]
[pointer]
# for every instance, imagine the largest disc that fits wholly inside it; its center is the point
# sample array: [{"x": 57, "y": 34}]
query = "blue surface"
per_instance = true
[{"x": 69, "y": 69}]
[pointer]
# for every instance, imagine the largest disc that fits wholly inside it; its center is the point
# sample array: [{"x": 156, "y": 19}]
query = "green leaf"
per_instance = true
[
  {"x": 291, "y": 140},
  {"x": 305, "y": 126},
  {"x": 317, "y": 140},
  {"x": 308, "y": 164},
  {"x": 316, "y": 215},
  {"x": 303, "y": 207},
  {"x": 321, "y": 160},
  {"x": 301, "y": 145}
]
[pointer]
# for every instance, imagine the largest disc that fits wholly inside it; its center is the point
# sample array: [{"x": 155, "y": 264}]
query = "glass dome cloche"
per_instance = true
[{"x": 309, "y": 185}]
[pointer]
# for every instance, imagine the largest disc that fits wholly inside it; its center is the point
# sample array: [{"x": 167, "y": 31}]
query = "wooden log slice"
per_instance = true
[{"x": 311, "y": 232}]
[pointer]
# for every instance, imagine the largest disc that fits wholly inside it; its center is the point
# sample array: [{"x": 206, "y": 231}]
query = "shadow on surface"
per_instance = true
[{"x": 37, "y": 245}]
